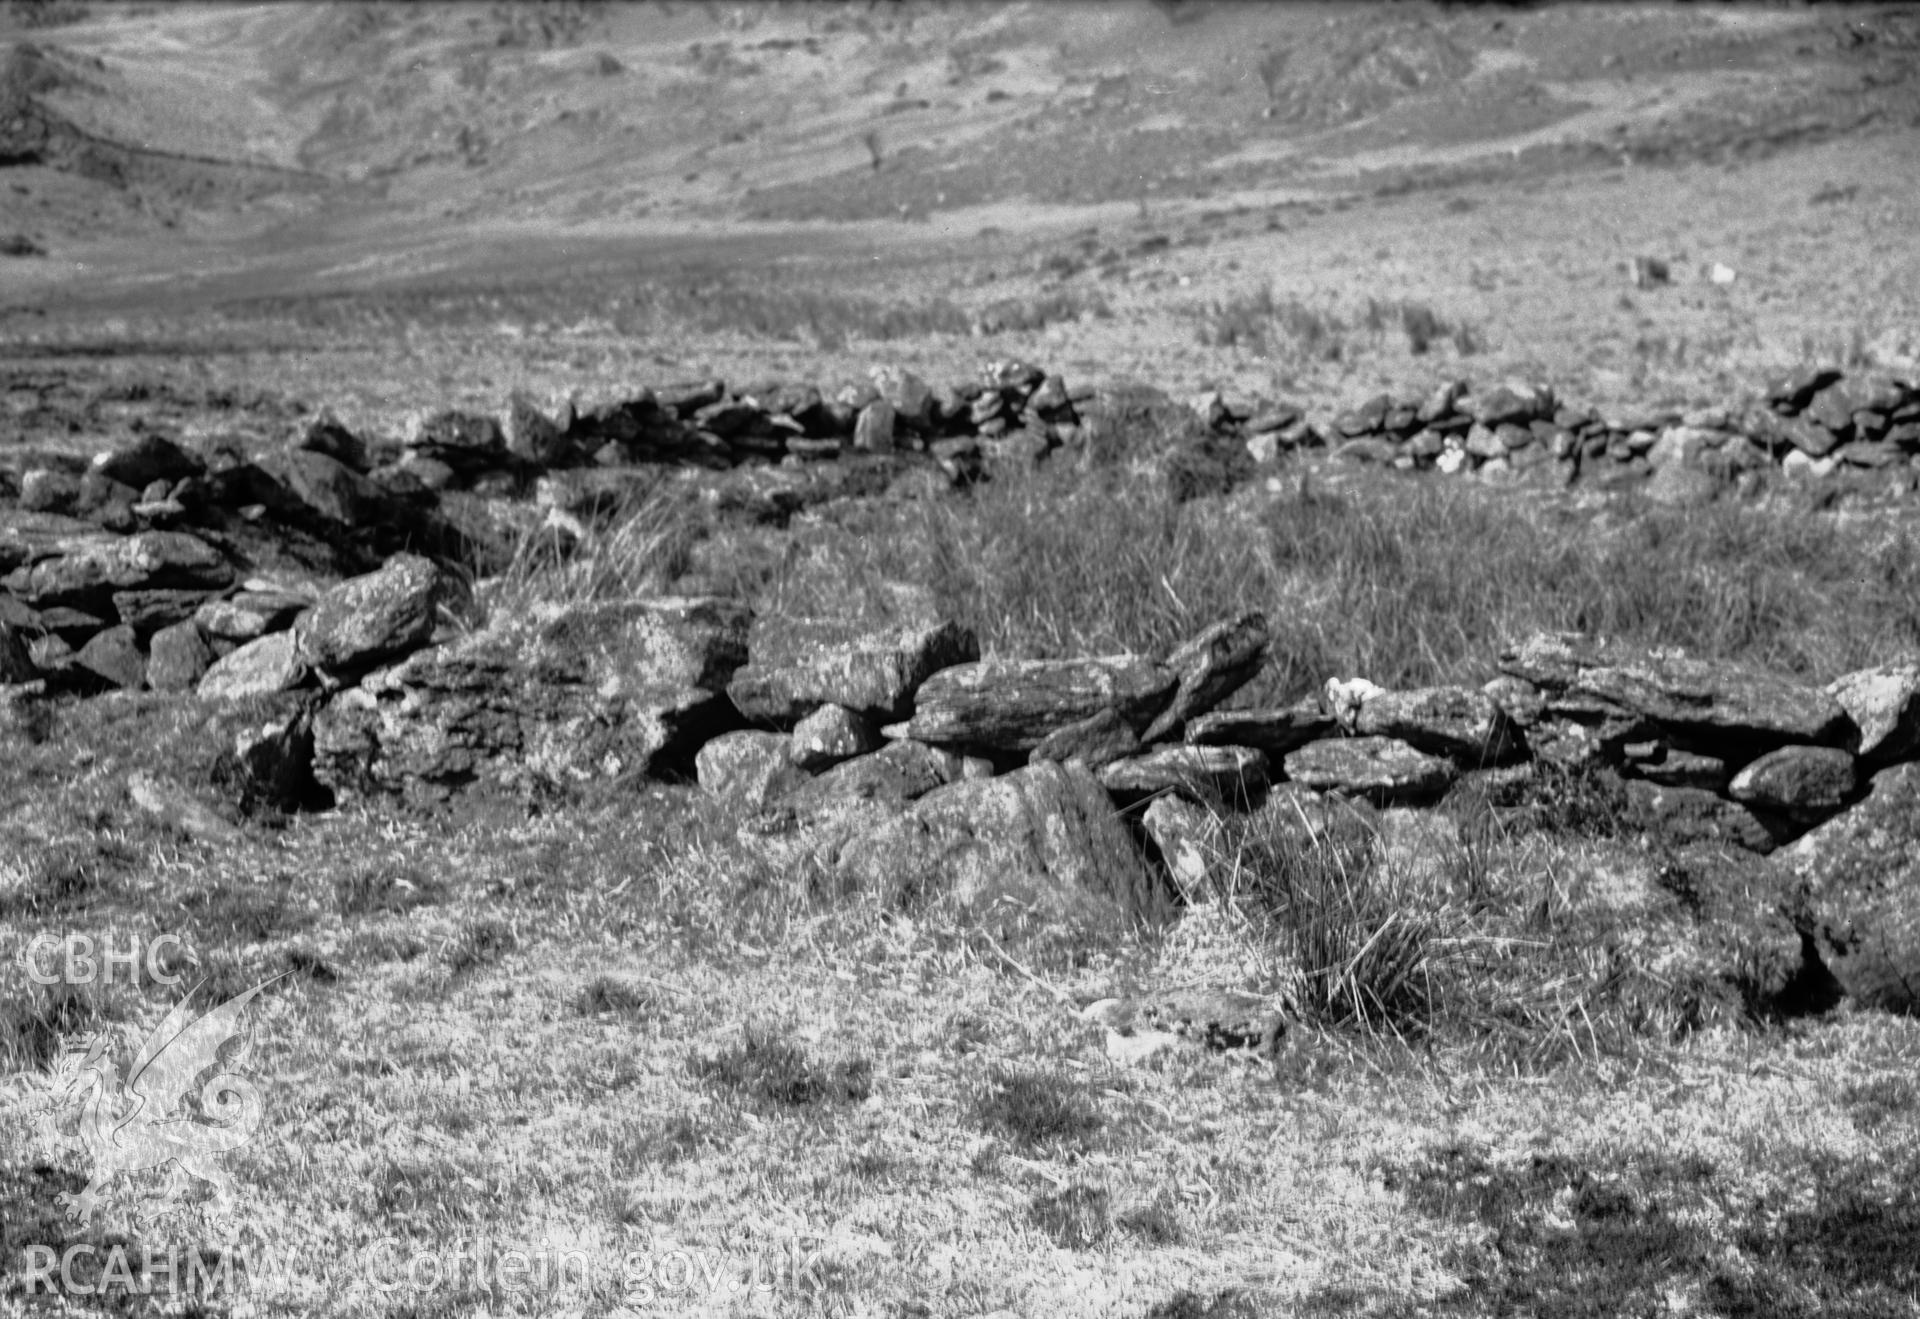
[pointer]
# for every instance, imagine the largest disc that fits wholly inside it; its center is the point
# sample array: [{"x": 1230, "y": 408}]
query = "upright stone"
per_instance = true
[
  {"x": 1861, "y": 904},
  {"x": 1210, "y": 667},
  {"x": 1885, "y": 703}
]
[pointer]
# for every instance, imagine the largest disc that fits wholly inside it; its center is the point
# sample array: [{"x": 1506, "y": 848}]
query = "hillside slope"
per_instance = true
[{"x": 136, "y": 135}]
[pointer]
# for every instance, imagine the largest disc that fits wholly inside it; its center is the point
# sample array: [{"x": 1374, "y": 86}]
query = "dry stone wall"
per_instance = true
[{"x": 894, "y": 755}]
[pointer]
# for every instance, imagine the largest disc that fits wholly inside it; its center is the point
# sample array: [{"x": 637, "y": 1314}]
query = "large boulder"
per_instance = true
[
  {"x": 1885, "y": 703},
  {"x": 1457, "y": 722},
  {"x": 1381, "y": 770},
  {"x": 1728, "y": 703},
  {"x": 1014, "y": 705},
  {"x": 551, "y": 699},
  {"x": 370, "y": 619},
  {"x": 797, "y": 665},
  {"x": 1860, "y": 899},
  {"x": 1210, "y": 667},
  {"x": 1042, "y": 844}
]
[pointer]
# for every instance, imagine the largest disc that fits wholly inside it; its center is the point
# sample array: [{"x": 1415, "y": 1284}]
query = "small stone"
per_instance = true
[
  {"x": 150, "y": 457},
  {"x": 43, "y": 490},
  {"x": 1190, "y": 840},
  {"x": 174, "y": 806},
  {"x": 830, "y": 735},
  {"x": 747, "y": 769},
  {"x": 177, "y": 657},
  {"x": 115, "y": 656},
  {"x": 1801, "y": 781},
  {"x": 261, "y": 667},
  {"x": 874, "y": 431},
  {"x": 1681, "y": 769}
]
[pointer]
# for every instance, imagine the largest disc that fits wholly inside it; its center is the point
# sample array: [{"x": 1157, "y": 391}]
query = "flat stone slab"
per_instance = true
[
  {"x": 1709, "y": 697},
  {"x": 1461, "y": 723},
  {"x": 1274, "y": 731},
  {"x": 1383, "y": 770},
  {"x": 1209, "y": 773},
  {"x": 90, "y": 569},
  {"x": 1014, "y": 705}
]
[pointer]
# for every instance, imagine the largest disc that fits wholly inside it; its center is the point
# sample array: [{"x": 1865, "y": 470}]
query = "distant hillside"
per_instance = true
[{"x": 120, "y": 120}]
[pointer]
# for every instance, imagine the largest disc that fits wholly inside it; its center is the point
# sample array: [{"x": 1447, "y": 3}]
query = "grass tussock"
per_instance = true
[
  {"x": 771, "y": 1070},
  {"x": 1287, "y": 329},
  {"x": 1035, "y": 1107}
]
